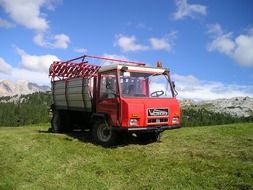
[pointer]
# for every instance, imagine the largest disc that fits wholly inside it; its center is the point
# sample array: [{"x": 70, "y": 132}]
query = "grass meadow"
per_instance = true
[{"x": 213, "y": 157}]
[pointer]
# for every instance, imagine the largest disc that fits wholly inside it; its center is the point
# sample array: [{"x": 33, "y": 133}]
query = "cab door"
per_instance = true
[{"x": 108, "y": 96}]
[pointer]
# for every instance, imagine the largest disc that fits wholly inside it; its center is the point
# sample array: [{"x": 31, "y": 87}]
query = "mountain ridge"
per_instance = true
[
  {"x": 10, "y": 88},
  {"x": 236, "y": 106}
]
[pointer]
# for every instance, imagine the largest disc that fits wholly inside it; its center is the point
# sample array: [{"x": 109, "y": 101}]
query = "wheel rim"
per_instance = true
[{"x": 104, "y": 133}]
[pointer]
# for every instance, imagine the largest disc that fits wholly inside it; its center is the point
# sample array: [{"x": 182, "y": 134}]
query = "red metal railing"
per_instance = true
[
  {"x": 70, "y": 69},
  {"x": 116, "y": 60},
  {"x": 65, "y": 70}
]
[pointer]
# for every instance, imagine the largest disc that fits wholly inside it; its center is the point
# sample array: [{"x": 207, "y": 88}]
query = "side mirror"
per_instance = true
[{"x": 173, "y": 84}]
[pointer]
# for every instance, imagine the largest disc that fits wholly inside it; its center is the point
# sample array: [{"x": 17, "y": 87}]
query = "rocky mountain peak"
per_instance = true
[
  {"x": 10, "y": 88},
  {"x": 237, "y": 106}
]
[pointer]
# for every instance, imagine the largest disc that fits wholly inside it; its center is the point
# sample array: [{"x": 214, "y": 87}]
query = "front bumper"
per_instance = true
[{"x": 145, "y": 129}]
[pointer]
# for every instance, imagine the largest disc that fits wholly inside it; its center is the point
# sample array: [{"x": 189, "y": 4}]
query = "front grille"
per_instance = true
[
  {"x": 157, "y": 116},
  {"x": 157, "y": 120}
]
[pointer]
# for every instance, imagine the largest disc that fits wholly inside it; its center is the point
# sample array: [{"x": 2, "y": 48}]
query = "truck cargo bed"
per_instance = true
[{"x": 72, "y": 94}]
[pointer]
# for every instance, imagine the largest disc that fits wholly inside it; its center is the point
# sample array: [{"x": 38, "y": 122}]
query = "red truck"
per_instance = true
[{"x": 123, "y": 96}]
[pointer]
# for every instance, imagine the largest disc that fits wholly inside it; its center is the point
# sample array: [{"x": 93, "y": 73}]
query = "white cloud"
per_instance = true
[
  {"x": 40, "y": 78},
  {"x": 27, "y": 13},
  {"x": 190, "y": 87},
  {"x": 223, "y": 44},
  {"x": 32, "y": 68},
  {"x": 141, "y": 26},
  {"x": 128, "y": 43},
  {"x": 243, "y": 52},
  {"x": 215, "y": 30},
  {"x": 138, "y": 25},
  {"x": 239, "y": 48},
  {"x": 185, "y": 9},
  {"x": 6, "y": 24},
  {"x": 113, "y": 56},
  {"x": 159, "y": 44},
  {"x": 37, "y": 63},
  {"x": 5, "y": 67},
  {"x": 57, "y": 41},
  {"x": 164, "y": 43},
  {"x": 61, "y": 41},
  {"x": 18, "y": 74},
  {"x": 81, "y": 50},
  {"x": 39, "y": 40}
]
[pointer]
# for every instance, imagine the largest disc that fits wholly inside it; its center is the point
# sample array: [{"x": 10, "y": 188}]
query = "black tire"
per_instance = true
[
  {"x": 56, "y": 122},
  {"x": 151, "y": 137},
  {"x": 103, "y": 135},
  {"x": 60, "y": 122}
]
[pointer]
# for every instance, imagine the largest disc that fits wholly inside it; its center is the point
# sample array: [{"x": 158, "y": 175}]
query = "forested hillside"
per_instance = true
[
  {"x": 192, "y": 116},
  {"x": 33, "y": 108},
  {"x": 24, "y": 109}
]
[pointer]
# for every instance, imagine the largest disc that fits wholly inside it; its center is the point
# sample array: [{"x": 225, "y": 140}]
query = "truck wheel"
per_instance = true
[
  {"x": 103, "y": 135},
  {"x": 60, "y": 122},
  {"x": 56, "y": 122},
  {"x": 156, "y": 137}
]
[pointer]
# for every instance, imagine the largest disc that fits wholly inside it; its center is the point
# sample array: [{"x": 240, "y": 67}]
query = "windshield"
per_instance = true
[{"x": 135, "y": 84}]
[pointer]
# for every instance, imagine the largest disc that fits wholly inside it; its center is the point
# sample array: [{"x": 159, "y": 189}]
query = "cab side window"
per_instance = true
[{"x": 108, "y": 85}]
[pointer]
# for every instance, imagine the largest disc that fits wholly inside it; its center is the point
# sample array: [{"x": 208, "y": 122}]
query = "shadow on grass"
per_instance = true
[{"x": 124, "y": 139}]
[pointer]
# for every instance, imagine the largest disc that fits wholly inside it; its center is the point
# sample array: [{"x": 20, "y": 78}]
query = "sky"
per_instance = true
[{"x": 206, "y": 44}]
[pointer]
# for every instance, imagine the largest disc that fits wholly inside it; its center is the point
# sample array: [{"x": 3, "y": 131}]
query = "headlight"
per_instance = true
[
  {"x": 175, "y": 120},
  {"x": 133, "y": 122}
]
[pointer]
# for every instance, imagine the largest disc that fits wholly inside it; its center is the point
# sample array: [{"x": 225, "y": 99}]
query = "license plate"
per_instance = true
[{"x": 157, "y": 120}]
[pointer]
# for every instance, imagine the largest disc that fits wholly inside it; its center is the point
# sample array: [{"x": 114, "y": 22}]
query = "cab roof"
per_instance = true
[{"x": 137, "y": 68}]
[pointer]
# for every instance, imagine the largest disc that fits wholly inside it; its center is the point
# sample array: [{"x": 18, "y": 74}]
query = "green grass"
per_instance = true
[{"x": 217, "y": 157}]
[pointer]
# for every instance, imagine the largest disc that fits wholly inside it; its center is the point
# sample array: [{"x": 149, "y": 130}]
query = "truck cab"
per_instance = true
[{"x": 136, "y": 99}]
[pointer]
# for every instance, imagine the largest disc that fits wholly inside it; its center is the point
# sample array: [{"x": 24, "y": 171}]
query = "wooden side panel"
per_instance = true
[
  {"x": 59, "y": 93},
  {"x": 72, "y": 94}
]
